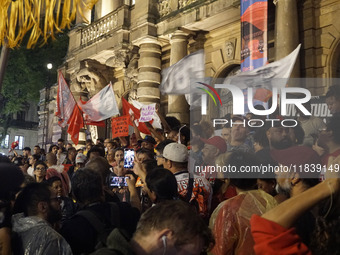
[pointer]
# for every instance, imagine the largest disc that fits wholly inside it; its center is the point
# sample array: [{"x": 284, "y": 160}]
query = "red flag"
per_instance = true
[
  {"x": 76, "y": 122},
  {"x": 93, "y": 123},
  {"x": 129, "y": 109},
  {"x": 65, "y": 102}
]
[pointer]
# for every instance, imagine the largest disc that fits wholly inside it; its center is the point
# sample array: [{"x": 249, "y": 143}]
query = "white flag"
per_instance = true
[
  {"x": 274, "y": 74},
  {"x": 65, "y": 102},
  {"x": 101, "y": 106},
  {"x": 176, "y": 78}
]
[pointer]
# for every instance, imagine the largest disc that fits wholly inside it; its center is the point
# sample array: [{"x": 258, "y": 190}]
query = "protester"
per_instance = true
[
  {"x": 40, "y": 171},
  {"x": 36, "y": 207},
  {"x": 68, "y": 207},
  {"x": 273, "y": 231},
  {"x": 333, "y": 100},
  {"x": 11, "y": 178},
  {"x": 161, "y": 185},
  {"x": 57, "y": 170},
  {"x": 310, "y": 125},
  {"x": 170, "y": 227},
  {"x": 54, "y": 149},
  {"x": 230, "y": 221},
  {"x": 159, "y": 151},
  {"x": 88, "y": 229},
  {"x": 32, "y": 160},
  {"x": 239, "y": 134},
  {"x": 148, "y": 143},
  {"x": 196, "y": 190}
]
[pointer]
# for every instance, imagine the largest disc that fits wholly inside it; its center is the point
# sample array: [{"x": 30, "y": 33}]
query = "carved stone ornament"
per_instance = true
[
  {"x": 91, "y": 77},
  {"x": 183, "y": 3},
  {"x": 131, "y": 73},
  {"x": 164, "y": 8},
  {"x": 119, "y": 58},
  {"x": 230, "y": 49}
]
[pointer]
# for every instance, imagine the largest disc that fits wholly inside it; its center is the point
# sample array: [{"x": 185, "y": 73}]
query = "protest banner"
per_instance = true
[
  {"x": 147, "y": 112},
  {"x": 120, "y": 126}
]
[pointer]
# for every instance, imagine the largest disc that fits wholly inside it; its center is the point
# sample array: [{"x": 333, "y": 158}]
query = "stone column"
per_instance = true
[
  {"x": 287, "y": 31},
  {"x": 177, "y": 104},
  {"x": 149, "y": 67}
]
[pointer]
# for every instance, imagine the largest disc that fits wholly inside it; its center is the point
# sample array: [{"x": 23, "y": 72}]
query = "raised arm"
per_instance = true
[
  {"x": 135, "y": 128},
  {"x": 163, "y": 121},
  {"x": 286, "y": 213}
]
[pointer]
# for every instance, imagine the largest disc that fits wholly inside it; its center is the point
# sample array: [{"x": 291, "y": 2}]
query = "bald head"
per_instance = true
[{"x": 51, "y": 159}]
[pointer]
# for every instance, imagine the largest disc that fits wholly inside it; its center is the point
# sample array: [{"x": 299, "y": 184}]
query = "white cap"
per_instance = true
[
  {"x": 176, "y": 152},
  {"x": 80, "y": 158}
]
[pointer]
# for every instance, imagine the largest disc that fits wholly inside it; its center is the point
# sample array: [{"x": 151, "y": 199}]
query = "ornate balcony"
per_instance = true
[{"x": 99, "y": 28}]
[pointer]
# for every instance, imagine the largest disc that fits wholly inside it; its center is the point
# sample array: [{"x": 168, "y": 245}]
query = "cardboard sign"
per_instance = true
[
  {"x": 146, "y": 112},
  {"x": 120, "y": 126}
]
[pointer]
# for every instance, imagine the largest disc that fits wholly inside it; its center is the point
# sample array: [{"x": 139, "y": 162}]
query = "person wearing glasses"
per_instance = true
[
  {"x": 37, "y": 208},
  {"x": 40, "y": 171}
]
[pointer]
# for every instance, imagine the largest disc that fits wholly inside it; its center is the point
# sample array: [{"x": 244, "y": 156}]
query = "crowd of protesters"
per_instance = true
[{"x": 70, "y": 201}]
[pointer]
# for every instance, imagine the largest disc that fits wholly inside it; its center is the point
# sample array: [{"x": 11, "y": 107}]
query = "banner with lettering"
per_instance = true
[
  {"x": 120, "y": 126},
  {"x": 147, "y": 112},
  {"x": 253, "y": 34},
  {"x": 253, "y": 38}
]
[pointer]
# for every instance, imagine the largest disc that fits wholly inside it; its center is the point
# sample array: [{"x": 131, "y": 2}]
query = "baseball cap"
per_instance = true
[
  {"x": 80, "y": 158},
  {"x": 216, "y": 141},
  {"x": 298, "y": 158},
  {"x": 295, "y": 155},
  {"x": 149, "y": 139},
  {"x": 176, "y": 152}
]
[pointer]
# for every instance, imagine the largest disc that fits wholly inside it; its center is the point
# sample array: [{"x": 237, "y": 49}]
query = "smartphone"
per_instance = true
[
  {"x": 118, "y": 181},
  {"x": 129, "y": 157}
]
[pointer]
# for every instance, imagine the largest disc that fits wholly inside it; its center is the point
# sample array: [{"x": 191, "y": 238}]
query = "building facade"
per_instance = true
[
  {"x": 23, "y": 128},
  {"x": 128, "y": 43}
]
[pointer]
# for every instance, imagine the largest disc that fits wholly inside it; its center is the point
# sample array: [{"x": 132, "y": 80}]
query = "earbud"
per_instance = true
[
  {"x": 164, "y": 244},
  {"x": 164, "y": 241}
]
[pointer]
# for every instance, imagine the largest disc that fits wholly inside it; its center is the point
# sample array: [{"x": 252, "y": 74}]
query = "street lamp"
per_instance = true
[{"x": 46, "y": 111}]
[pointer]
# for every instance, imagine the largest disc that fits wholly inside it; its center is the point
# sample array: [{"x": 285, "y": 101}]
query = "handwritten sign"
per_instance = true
[
  {"x": 120, "y": 126},
  {"x": 146, "y": 112}
]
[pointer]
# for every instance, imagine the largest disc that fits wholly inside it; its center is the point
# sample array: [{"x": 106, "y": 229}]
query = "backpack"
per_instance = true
[{"x": 103, "y": 231}]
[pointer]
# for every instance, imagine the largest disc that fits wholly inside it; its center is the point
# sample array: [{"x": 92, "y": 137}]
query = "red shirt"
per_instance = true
[{"x": 272, "y": 238}]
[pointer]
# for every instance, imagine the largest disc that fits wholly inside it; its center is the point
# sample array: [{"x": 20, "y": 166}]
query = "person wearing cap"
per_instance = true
[
  {"x": 294, "y": 183},
  {"x": 79, "y": 163},
  {"x": 148, "y": 142},
  {"x": 80, "y": 160},
  {"x": 196, "y": 190},
  {"x": 239, "y": 133},
  {"x": 213, "y": 147},
  {"x": 278, "y": 137}
]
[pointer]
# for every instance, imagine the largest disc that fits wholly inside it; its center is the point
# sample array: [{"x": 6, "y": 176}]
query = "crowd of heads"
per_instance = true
[{"x": 168, "y": 186}]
